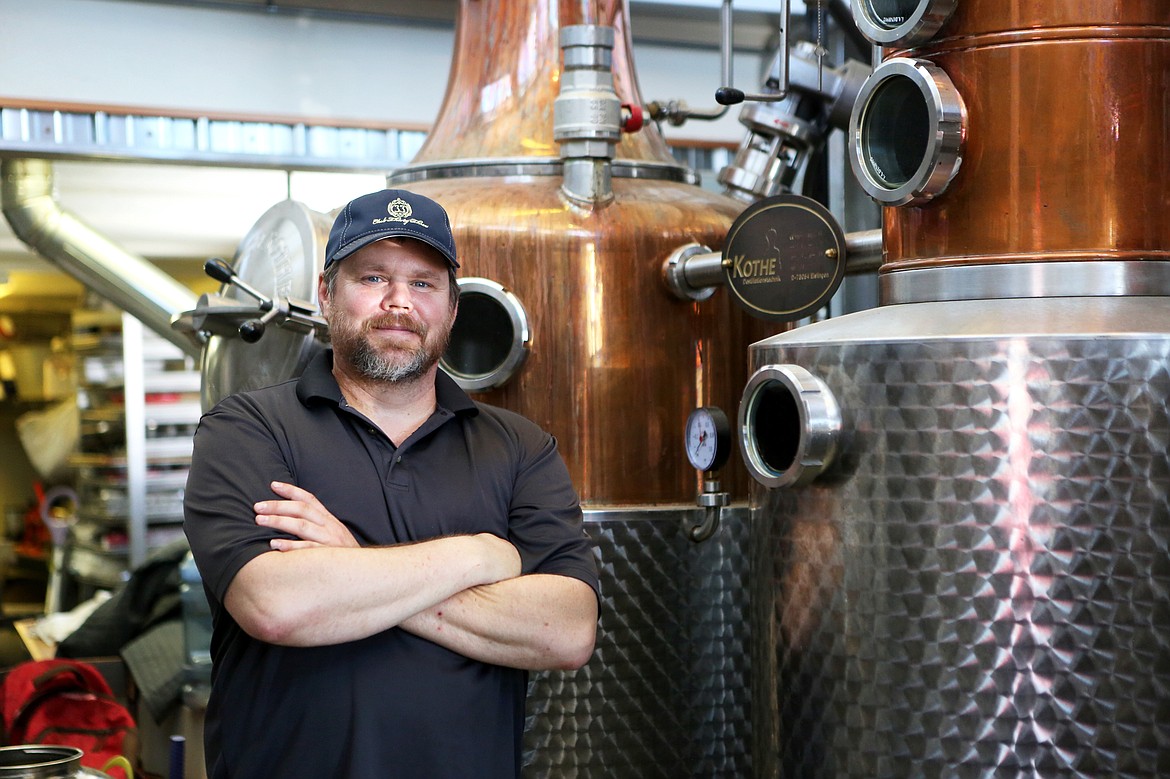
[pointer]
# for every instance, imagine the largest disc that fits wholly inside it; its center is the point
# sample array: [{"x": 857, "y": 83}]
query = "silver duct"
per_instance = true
[{"x": 130, "y": 282}]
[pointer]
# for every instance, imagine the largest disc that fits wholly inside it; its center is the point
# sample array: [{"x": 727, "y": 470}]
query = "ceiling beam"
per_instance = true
[{"x": 651, "y": 21}]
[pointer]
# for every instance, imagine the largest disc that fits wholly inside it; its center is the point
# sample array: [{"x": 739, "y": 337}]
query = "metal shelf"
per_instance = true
[{"x": 130, "y": 481}]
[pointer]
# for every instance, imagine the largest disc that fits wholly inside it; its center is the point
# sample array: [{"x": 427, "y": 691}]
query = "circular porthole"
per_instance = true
[
  {"x": 906, "y": 132},
  {"x": 490, "y": 337},
  {"x": 901, "y": 23},
  {"x": 789, "y": 424}
]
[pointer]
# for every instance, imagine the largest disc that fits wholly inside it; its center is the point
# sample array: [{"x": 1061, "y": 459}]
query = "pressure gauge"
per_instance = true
[{"x": 708, "y": 438}]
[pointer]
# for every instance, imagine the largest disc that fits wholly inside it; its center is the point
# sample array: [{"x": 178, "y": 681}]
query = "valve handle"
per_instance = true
[
  {"x": 252, "y": 330},
  {"x": 223, "y": 272},
  {"x": 219, "y": 270},
  {"x": 728, "y": 96},
  {"x": 636, "y": 118}
]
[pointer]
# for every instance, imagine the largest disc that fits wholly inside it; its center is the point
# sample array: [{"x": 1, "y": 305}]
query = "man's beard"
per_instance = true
[{"x": 352, "y": 343}]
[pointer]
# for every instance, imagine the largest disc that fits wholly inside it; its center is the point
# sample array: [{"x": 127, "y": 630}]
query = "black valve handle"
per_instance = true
[
  {"x": 223, "y": 272},
  {"x": 219, "y": 270},
  {"x": 253, "y": 329},
  {"x": 729, "y": 96}
]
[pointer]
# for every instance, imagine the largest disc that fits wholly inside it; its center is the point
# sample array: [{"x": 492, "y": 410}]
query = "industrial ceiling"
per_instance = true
[{"x": 115, "y": 196}]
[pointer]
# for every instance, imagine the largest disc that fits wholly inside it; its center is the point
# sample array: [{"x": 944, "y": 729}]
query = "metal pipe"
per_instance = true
[
  {"x": 727, "y": 94},
  {"x": 693, "y": 272},
  {"x": 863, "y": 251},
  {"x": 677, "y": 111},
  {"x": 726, "y": 45},
  {"x": 130, "y": 282},
  {"x": 587, "y": 113},
  {"x": 782, "y": 48},
  {"x": 712, "y": 500}
]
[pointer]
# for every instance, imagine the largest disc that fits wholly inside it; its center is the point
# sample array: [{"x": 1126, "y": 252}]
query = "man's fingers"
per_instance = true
[
  {"x": 297, "y": 526},
  {"x": 300, "y": 514},
  {"x": 288, "y": 544},
  {"x": 293, "y": 492},
  {"x": 289, "y": 508}
]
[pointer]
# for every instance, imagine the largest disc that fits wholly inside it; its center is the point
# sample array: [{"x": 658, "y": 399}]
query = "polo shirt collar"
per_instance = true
[{"x": 317, "y": 383}]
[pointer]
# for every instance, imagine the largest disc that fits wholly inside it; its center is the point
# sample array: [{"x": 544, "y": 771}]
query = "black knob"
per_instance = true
[
  {"x": 728, "y": 96},
  {"x": 219, "y": 270},
  {"x": 251, "y": 330}
]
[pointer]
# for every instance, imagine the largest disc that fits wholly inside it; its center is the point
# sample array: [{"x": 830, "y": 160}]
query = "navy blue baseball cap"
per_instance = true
[{"x": 390, "y": 213}]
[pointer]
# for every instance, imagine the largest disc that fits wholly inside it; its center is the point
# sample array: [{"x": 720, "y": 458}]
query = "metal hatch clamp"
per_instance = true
[{"x": 219, "y": 315}]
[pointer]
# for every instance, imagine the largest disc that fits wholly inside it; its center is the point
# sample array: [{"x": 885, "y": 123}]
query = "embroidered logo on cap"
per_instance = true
[{"x": 400, "y": 211}]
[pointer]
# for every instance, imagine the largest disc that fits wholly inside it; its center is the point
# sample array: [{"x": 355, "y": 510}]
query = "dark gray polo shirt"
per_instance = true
[{"x": 391, "y": 705}]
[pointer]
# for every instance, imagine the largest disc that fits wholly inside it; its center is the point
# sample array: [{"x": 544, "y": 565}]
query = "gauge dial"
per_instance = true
[{"x": 708, "y": 438}]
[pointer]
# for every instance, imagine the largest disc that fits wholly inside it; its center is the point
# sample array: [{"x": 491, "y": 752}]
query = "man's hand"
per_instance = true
[{"x": 300, "y": 514}]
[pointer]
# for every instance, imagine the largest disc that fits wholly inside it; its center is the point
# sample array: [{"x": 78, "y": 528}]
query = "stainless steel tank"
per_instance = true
[{"x": 960, "y": 532}]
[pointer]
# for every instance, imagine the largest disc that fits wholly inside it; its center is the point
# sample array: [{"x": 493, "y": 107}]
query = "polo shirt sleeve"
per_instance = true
[
  {"x": 545, "y": 521},
  {"x": 235, "y": 458}
]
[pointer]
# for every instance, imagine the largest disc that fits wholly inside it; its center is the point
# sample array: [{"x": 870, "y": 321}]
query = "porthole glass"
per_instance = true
[
  {"x": 490, "y": 338},
  {"x": 906, "y": 132},
  {"x": 789, "y": 425},
  {"x": 901, "y": 23}
]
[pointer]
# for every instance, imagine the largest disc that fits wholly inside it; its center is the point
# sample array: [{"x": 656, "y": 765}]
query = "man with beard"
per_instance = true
[{"x": 385, "y": 559}]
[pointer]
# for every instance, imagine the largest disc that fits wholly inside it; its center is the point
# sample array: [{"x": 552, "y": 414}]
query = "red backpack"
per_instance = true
[{"x": 68, "y": 703}]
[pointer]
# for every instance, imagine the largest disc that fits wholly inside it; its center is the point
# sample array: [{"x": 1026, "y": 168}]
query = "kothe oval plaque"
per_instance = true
[{"x": 784, "y": 257}]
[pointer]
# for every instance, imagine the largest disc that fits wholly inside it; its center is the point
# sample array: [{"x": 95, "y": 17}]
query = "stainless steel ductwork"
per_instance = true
[
  {"x": 963, "y": 569},
  {"x": 130, "y": 282}
]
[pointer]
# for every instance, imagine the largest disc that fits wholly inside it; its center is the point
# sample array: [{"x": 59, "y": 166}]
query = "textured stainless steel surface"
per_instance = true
[
  {"x": 667, "y": 691},
  {"x": 980, "y": 588}
]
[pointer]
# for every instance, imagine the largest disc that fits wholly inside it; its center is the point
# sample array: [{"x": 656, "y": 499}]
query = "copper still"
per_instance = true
[
  {"x": 1066, "y": 154},
  {"x": 615, "y": 363},
  {"x": 970, "y": 577}
]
